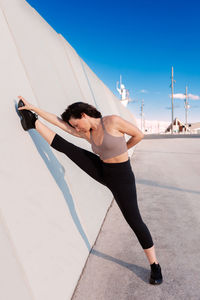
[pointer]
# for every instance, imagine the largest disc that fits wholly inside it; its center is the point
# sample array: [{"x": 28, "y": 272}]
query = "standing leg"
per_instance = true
[
  {"x": 86, "y": 160},
  {"x": 151, "y": 255},
  {"x": 126, "y": 198}
]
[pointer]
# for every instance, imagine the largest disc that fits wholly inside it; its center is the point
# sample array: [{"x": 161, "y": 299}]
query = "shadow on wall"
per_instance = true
[{"x": 57, "y": 171}]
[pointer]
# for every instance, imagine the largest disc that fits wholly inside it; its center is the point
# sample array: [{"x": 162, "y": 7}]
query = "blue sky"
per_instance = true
[{"x": 141, "y": 40}]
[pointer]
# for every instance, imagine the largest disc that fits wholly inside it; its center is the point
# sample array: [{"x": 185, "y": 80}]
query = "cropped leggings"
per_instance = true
[{"x": 118, "y": 177}]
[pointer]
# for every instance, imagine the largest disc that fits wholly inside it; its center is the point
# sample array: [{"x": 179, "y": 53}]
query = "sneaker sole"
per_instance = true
[{"x": 23, "y": 120}]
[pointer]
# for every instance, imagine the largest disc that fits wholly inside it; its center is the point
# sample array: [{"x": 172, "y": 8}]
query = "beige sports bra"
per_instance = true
[{"x": 111, "y": 146}]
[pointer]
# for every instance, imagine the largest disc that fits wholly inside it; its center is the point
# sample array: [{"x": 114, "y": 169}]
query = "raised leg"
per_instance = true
[
  {"x": 86, "y": 160},
  {"x": 45, "y": 132}
]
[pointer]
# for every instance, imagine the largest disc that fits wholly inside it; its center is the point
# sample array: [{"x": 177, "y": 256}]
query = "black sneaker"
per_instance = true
[
  {"x": 156, "y": 274},
  {"x": 28, "y": 117}
]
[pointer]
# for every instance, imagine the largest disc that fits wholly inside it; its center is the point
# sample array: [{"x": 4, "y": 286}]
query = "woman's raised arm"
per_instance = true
[{"x": 51, "y": 118}]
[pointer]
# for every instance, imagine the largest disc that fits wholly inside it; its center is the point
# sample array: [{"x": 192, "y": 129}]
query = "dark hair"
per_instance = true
[{"x": 76, "y": 109}]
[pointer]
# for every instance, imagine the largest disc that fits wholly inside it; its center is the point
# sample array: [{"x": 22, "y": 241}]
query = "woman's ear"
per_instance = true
[{"x": 83, "y": 115}]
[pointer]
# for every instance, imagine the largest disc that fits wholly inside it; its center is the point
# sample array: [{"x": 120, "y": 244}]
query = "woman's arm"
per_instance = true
[
  {"x": 51, "y": 118},
  {"x": 55, "y": 120},
  {"x": 128, "y": 128}
]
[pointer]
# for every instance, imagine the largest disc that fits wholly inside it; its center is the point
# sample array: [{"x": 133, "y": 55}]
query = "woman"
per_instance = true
[{"x": 111, "y": 168}]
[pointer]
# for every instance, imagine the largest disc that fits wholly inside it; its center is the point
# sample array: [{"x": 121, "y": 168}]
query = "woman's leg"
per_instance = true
[
  {"x": 126, "y": 198},
  {"x": 44, "y": 131},
  {"x": 151, "y": 255},
  {"x": 86, "y": 160}
]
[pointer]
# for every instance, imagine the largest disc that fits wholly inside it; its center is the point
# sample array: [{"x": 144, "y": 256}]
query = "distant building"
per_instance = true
[
  {"x": 153, "y": 126},
  {"x": 194, "y": 127},
  {"x": 178, "y": 126}
]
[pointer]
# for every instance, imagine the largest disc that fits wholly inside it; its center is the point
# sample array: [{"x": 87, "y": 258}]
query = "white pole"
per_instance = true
[{"x": 172, "y": 86}]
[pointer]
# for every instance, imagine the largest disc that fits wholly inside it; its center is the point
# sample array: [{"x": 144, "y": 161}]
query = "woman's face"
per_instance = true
[{"x": 81, "y": 125}]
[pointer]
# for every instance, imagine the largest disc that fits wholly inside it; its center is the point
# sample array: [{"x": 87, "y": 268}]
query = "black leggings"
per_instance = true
[{"x": 118, "y": 177}]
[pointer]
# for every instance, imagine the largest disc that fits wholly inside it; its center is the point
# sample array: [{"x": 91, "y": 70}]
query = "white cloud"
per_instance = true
[
  {"x": 182, "y": 96},
  {"x": 193, "y": 97},
  {"x": 179, "y": 96}
]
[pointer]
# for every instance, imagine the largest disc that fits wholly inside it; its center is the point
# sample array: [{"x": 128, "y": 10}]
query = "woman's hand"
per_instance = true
[{"x": 27, "y": 106}]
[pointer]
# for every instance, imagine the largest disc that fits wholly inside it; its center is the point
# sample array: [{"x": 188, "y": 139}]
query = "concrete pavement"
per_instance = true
[{"x": 167, "y": 177}]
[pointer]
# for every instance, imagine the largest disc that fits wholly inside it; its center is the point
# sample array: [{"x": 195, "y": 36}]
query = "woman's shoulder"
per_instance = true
[
  {"x": 111, "y": 117},
  {"x": 111, "y": 120},
  {"x": 111, "y": 123}
]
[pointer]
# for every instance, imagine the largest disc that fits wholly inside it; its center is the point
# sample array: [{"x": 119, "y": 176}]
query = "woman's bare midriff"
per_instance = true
[{"x": 117, "y": 159}]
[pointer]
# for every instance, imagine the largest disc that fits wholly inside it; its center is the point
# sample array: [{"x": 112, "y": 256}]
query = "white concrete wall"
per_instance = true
[{"x": 51, "y": 211}]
